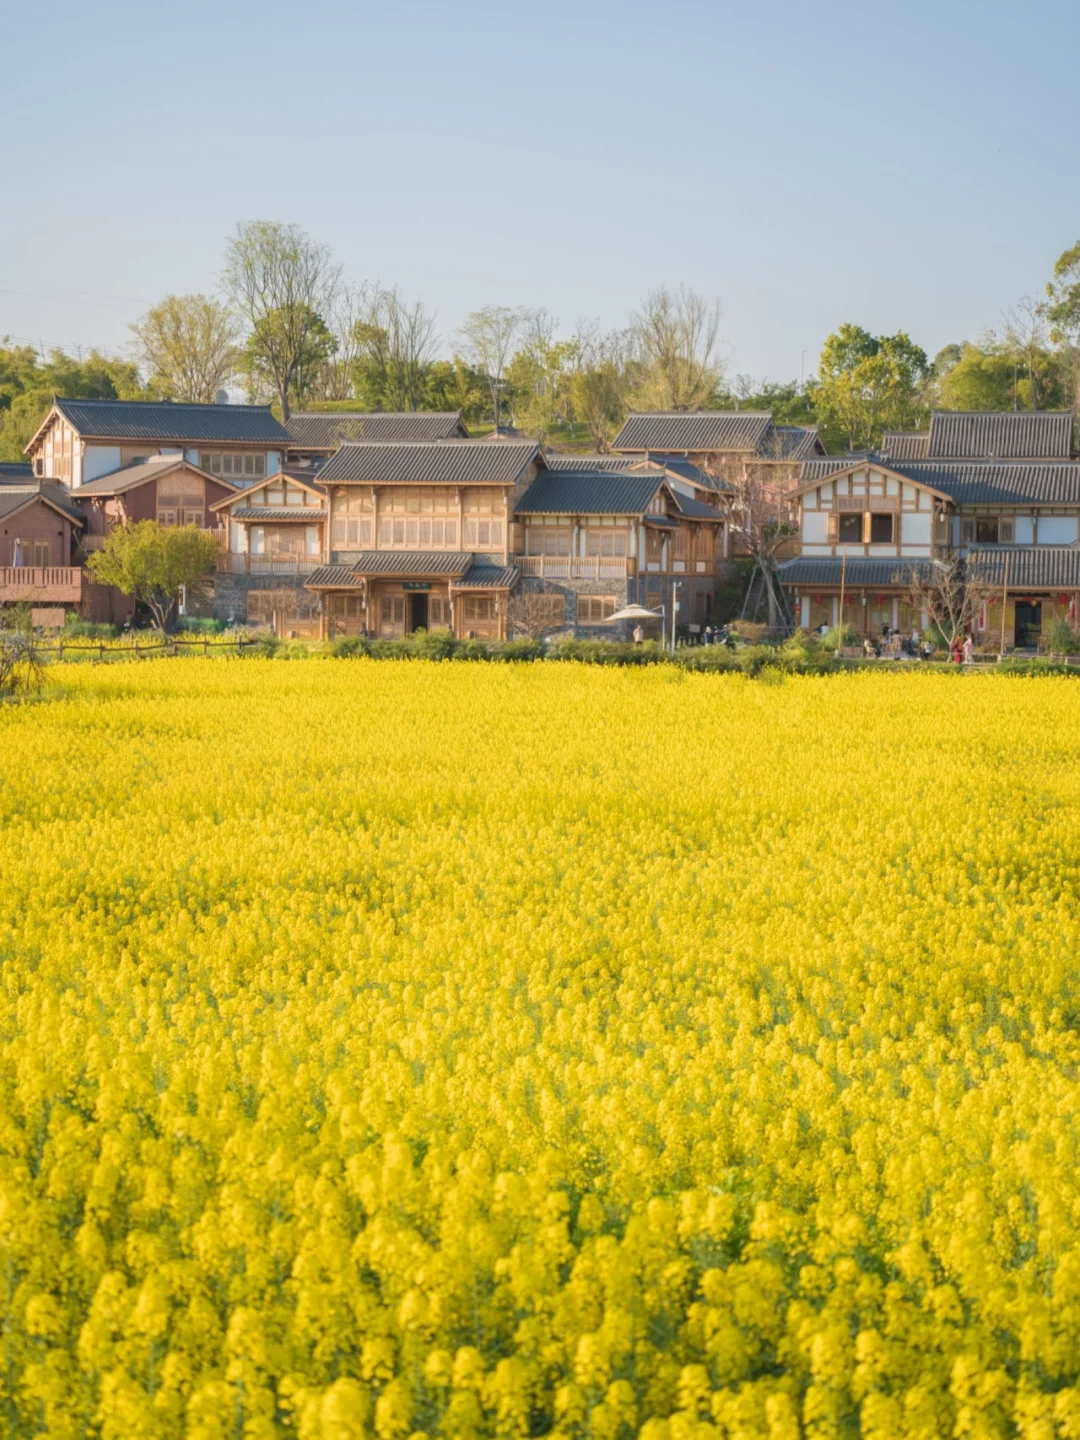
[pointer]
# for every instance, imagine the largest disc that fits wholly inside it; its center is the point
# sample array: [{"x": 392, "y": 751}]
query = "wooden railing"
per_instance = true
[
  {"x": 576, "y": 567},
  {"x": 41, "y": 583},
  {"x": 267, "y": 564}
]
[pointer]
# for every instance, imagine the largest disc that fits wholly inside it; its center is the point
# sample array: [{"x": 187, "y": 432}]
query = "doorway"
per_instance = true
[
  {"x": 418, "y": 611},
  {"x": 1028, "y": 624}
]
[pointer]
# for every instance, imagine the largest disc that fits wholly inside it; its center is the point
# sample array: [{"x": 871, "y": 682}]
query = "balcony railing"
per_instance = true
[
  {"x": 577, "y": 567},
  {"x": 41, "y": 584},
  {"x": 230, "y": 564}
]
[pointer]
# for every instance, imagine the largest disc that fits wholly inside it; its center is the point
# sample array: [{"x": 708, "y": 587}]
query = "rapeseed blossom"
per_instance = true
[{"x": 399, "y": 1050}]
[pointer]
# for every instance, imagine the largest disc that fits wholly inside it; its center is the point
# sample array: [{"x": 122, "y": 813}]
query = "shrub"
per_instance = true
[
  {"x": 434, "y": 645},
  {"x": 1061, "y": 638},
  {"x": 76, "y": 628}
]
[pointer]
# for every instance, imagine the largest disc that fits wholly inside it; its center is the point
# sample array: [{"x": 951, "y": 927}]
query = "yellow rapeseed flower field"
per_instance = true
[{"x": 401, "y": 1050}]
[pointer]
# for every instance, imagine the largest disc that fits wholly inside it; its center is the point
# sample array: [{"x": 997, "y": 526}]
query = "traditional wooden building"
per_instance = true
[
  {"x": 1013, "y": 516},
  {"x": 735, "y": 445},
  {"x": 84, "y": 440},
  {"x": 595, "y": 541},
  {"x": 165, "y": 488},
  {"x": 38, "y": 526},
  {"x": 419, "y": 535},
  {"x": 316, "y": 435}
]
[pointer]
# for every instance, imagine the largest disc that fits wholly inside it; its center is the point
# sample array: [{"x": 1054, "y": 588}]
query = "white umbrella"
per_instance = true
[{"x": 634, "y": 612}]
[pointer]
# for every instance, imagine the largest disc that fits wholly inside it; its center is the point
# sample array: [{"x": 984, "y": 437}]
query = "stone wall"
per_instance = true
[{"x": 231, "y": 594}]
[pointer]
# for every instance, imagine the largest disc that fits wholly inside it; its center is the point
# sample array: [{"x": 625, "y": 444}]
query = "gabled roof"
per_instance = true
[
  {"x": 163, "y": 421},
  {"x": 1000, "y": 435},
  {"x": 742, "y": 430},
  {"x": 905, "y": 444},
  {"x": 1007, "y": 483},
  {"x": 570, "y": 492},
  {"x": 436, "y": 462},
  {"x": 243, "y": 496},
  {"x": 821, "y": 467},
  {"x": 14, "y": 498},
  {"x": 483, "y": 576},
  {"x": 326, "y": 430},
  {"x": 793, "y": 442},
  {"x": 696, "y": 509},
  {"x": 129, "y": 477},
  {"x": 850, "y": 464},
  {"x": 673, "y": 464},
  {"x": 1031, "y": 567}
]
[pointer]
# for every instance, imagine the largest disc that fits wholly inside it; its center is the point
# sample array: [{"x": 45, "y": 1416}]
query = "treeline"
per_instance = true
[{"x": 291, "y": 329}]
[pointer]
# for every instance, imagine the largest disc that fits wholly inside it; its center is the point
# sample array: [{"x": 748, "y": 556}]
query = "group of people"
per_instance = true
[{"x": 894, "y": 644}]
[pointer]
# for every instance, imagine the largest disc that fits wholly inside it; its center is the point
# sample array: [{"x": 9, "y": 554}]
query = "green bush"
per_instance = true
[
  {"x": 348, "y": 646},
  {"x": 520, "y": 649},
  {"x": 75, "y": 628},
  {"x": 200, "y": 625},
  {"x": 434, "y": 645},
  {"x": 1061, "y": 638}
]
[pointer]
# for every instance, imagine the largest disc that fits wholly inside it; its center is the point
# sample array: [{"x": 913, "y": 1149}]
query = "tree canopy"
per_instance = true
[{"x": 155, "y": 563}]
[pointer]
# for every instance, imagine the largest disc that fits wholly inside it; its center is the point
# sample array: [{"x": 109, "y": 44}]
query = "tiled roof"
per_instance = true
[
  {"x": 412, "y": 562},
  {"x": 987, "y": 482},
  {"x": 438, "y": 462},
  {"x": 326, "y": 431},
  {"x": 905, "y": 444},
  {"x": 332, "y": 575},
  {"x": 696, "y": 509},
  {"x": 1010, "y": 483},
  {"x": 861, "y": 570},
  {"x": 570, "y": 492},
  {"x": 591, "y": 462},
  {"x": 488, "y": 577},
  {"x": 822, "y": 466},
  {"x": 129, "y": 476},
  {"x": 792, "y": 442},
  {"x": 278, "y": 512},
  {"x": 165, "y": 420},
  {"x": 15, "y": 470},
  {"x": 701, "y": 430},
  {"x": 1000, "y": 435},
  {"x": 13, "y": 497},
  {"x": 1031, "y": 567},
  {"x": 676, "y": 464}
]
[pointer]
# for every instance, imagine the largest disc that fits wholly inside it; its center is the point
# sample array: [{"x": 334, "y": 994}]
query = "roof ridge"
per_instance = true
[{"x": 172, "y": 404}]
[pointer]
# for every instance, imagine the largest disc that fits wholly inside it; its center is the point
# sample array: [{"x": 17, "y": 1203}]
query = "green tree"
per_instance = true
[
  {"x": 1063, "y": 313},
  {"x": 869, "y": 383},
  {"x": 540, "y": 375},
  {"x": 979, "y": 379},
  {"x": 309, "y": 364},
  {"x": 155, "y": 563},
  {"x": 489, "y": 336},
  {"x": 282, "y": 282},
  {"x": 28, "y": 382},
  {"x": 188, "y": 346}
]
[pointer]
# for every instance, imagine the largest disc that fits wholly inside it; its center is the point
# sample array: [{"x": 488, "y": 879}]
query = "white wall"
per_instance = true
[
  {"x": 1025, "y": 530},
  {"x": 1057, "y": 529},
  {"x": 273, "y": 462},
  {"x": 914, "y": 529},
  {"x": 100, "y": 460},
  {"x": 815, "y": 527}
]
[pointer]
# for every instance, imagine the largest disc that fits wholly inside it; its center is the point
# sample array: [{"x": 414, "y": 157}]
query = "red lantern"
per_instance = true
[
  {"x": 879, "y": 599},
  {"x": 1063, "y": 600},
  {"x": 817, "y": 599}
]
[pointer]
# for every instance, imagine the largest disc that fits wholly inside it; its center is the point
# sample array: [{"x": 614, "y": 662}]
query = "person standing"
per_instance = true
[
  {"x": 969, "y": 650},
  {"x": 639, "y": 634}
]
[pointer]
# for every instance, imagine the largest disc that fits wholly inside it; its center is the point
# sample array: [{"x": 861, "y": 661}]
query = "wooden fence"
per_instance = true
[{"x": 134, "y": 650}]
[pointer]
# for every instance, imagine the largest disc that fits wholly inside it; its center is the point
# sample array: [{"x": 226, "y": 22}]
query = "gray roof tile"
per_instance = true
[
  {"x": 1008, "y": 483},
  {"x": 1031, "y": 567},
  {"x": 861, "y": 570},
  {"x": 166, "y": 420},
  {"x": 412, "y": 562},
  {"x": 278, "y": 512},
  {"x": 332, "y": 575},
  {"x": 905, "y": 444},
  {"x": 13, "y": 497},
  {"x": 1000, "y": 435},
  {"x": 439, "y": 462},
  {"x": 742, "y": 430},
  {"x": 488, "y": 577},
  {"x": 570, "y": 492},
  {"x": 326, "y": 430},
  {"x": 129, "y": 476}
]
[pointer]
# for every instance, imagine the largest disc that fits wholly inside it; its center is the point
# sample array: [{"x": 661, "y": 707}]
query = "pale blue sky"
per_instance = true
[{"x": 895, "y": 165}]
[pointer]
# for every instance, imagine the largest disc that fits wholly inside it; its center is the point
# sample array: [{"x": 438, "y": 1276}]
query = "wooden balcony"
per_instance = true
[
  {"x": 41, "y": 584},
  {"x": 231, "y": 564},
  {"x": 576, "y": 567}
]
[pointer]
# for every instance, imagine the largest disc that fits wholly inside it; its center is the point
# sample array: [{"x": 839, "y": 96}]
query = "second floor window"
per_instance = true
[
  {"x": 234, "y": 467},
  {"x": 881, "y": 529},
  {"x": 850, "y": 529}
]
